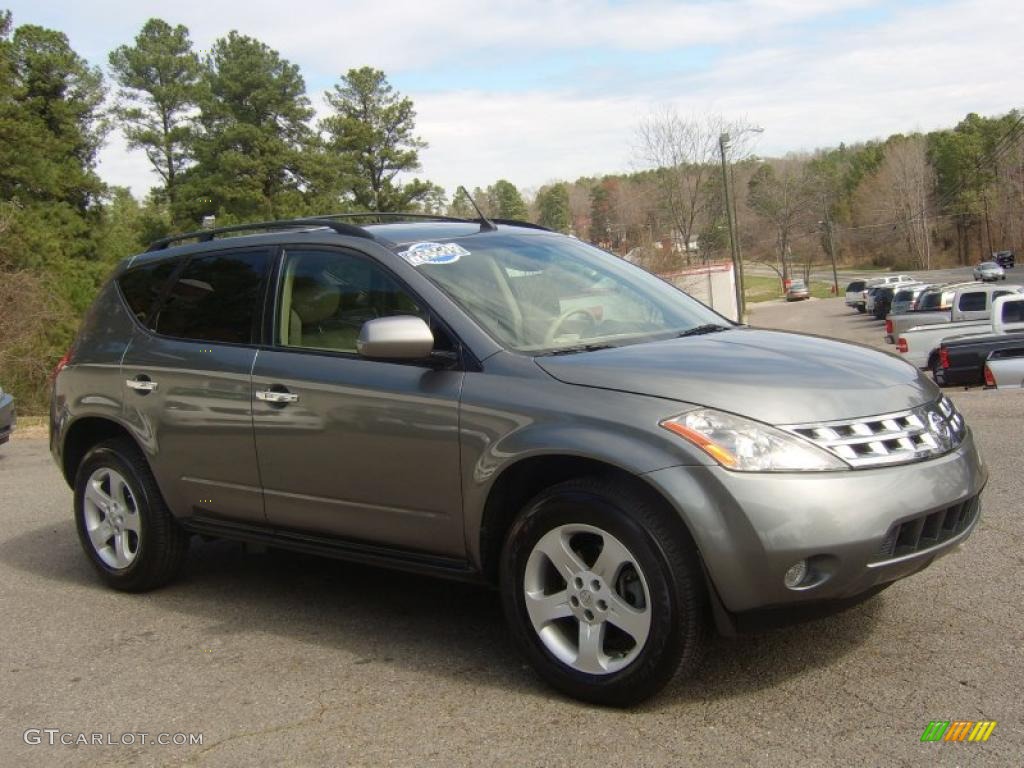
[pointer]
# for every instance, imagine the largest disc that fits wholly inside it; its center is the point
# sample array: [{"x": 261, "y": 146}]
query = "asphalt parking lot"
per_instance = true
[{"x": 281, "y": 659}]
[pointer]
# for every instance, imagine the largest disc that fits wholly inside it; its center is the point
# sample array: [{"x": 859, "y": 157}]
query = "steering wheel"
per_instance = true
[{"x": 559, "y": 321}]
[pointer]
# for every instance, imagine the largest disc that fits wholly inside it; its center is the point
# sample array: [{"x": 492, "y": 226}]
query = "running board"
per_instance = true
[{"x": 334, "y": 547}]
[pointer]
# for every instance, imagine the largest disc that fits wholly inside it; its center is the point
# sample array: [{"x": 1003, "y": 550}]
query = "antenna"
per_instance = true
[{"x": 486, "y": 225}]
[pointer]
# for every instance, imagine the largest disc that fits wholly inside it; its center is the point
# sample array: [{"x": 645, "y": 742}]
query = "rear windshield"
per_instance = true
[
  {"x": 930, "y": 300},
  {"x": 1013, "y": 312},
  {"x": 904, "y": 295},
  {"x": 856, "y": 285}
]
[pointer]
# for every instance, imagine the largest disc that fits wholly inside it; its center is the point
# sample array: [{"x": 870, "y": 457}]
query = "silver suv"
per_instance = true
[{"x": 498, "y": 403}]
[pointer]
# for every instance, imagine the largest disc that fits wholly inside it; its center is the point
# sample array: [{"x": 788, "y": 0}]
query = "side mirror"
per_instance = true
[{"x": 403, "y": 337}]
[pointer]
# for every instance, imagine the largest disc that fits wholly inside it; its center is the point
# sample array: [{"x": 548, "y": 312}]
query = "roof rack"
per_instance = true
[
  {"x": 519, "y": 223},
  {"x": 207, "y": 235},
  {"x": 381, "y": 215}
]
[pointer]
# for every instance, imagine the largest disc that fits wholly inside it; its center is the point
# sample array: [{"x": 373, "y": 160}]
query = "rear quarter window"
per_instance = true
[{"x": 143, "y": 285}]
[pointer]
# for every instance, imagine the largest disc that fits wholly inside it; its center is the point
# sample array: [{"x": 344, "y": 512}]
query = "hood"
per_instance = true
[{"x": 772, "y": 376}]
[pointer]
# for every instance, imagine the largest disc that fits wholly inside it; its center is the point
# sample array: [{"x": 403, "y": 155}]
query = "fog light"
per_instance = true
[{"x": 796, "y": 574}]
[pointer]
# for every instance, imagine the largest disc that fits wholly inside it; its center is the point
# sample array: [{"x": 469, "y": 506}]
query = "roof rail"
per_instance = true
[
  {"x": 380, "y": 215},
  {"x": 207, "y": 235},
  {"x": 518, "y": 223}
]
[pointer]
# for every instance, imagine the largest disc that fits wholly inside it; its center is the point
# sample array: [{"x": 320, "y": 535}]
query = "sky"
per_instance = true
[{"x": 538, "y": 90}]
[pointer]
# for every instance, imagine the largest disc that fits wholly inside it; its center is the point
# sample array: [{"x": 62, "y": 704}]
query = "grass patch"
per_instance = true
[{"x": 759, "y": 288}]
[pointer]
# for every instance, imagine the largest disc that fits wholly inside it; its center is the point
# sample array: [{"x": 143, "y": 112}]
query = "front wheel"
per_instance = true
[{"x": 603, "y": 591}]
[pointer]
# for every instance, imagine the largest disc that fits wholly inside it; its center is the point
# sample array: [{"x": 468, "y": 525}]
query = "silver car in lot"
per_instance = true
[
  {"x": 989, "y": 270},
  {"x": 494, "y": 402}
]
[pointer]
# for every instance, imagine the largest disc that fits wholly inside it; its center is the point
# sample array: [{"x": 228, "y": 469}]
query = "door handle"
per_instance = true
[
  {"x": 141, "y": 385},
  {"x": 273, "y": 396}
]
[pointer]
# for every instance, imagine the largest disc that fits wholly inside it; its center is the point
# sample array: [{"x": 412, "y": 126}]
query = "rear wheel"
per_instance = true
[
  {"x": 603, "y": 591},
  {"x": 126, "y": 529},
  {"x": 937, "y": 372},
  {"x": 861, "y": 308}
]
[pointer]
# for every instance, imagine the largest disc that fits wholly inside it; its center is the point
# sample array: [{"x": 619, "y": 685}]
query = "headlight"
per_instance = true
[{"x": 749, "y": 446}]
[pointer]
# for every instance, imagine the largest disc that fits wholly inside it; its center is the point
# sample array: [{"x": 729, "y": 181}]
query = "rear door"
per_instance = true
[
  {"x": 188, "y": 392},
  {"x": 355, "y": 448}
]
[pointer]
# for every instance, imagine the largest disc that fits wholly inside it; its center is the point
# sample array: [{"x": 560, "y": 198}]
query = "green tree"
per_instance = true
[
  {"x": 159, "y": 79},
  {"x": 553, "y": 207},
  {"x": 371, "y": 132},
  {"x": 254, "y": 149},
  {"x": 506, "y": 202}
]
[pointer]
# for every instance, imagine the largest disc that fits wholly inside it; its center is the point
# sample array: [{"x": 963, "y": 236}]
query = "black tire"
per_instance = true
[
  {"x": 936, "y": 368},
  {"x": 670, "y": 564},
  {"x": 861, "y": 308},
  {"x": 161, "y": 544}
]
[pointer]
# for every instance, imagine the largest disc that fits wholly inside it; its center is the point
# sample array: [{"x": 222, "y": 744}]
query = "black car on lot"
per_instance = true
[
  {"x": 883, "y": 301},
  {"x": 962, "y": 361},
  {"x": 1005, "y": 259},
  {"x": 6, "y": 416}
]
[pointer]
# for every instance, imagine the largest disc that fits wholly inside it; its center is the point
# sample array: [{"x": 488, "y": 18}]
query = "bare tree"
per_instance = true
[
  {"x": 683, "y": 152},
  {"x": 782, "y": 193},
  {"x": 899, "y": 193}
]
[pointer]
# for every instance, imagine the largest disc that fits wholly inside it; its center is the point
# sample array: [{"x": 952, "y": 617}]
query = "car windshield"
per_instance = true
[
  {"x": 546, "y": 293},
  {"x": 987, "y": 264}
]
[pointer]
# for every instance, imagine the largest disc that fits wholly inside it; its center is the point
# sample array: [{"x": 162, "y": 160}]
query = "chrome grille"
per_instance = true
[{"x": 920, "y": 433}]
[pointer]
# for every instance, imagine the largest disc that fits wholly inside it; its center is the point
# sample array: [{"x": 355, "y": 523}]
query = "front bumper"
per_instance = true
[
  {"x": 7, "y": 417},
  {"x": 752, "y": 527}
]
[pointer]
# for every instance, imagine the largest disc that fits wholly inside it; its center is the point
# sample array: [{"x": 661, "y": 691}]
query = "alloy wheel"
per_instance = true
[
  {"x": 587, "y": 599},
  {"x": 112, "y": 518}
]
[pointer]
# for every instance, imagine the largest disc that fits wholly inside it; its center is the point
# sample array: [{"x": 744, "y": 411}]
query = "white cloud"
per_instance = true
[{"x": 923, "y": 68}]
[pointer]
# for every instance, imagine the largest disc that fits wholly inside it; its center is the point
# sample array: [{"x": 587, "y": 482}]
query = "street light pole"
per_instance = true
[
  {"x": 737, "y": 264},
  {"x": 723, "y": 141}
]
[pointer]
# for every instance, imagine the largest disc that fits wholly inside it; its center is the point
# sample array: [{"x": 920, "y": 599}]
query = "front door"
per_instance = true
[
  {"x": 188, "y": 394},
  {"x": 350, "y": 447}
]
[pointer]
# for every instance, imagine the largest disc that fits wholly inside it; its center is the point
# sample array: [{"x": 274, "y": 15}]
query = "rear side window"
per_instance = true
[
  {"x": 972, "y": 302},
  {"x": 142, "y": 286},
  {"x": 216, "y": 298},
  {"x": 1013, "y": 312},
  {"x": 856, "y": 285}
]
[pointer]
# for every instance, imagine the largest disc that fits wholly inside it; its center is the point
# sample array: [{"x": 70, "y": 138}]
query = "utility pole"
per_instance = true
[
  {"x": 831, "y": 250},
  {"x": 723, "y": 141}
]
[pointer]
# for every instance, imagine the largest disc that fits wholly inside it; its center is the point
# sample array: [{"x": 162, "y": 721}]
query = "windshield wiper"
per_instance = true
[
  {"x": 700, "y": 330},
  {"x": 579, "y": 348}
]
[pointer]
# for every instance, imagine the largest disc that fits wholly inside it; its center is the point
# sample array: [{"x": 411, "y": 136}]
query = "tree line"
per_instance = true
[{"x": 230, "y": 134}]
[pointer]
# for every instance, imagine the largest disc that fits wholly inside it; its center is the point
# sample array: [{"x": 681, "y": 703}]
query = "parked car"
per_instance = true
[
  {"x": 1004, "y": 368},
  {"x": 797, "y": 290},
  {"x": 883, "y": 300},
  {"x": 1005, "y": 259},
  {"x": 416, "y": 394},
  {"x": 855, "y": 295},
  {"x": 962, "y": 360},
  {"x": 7, "y": 416},
  {"x": 905, "y": 298},
  {"x": 920, "y": 346},
  {"x": 955, "y": 303},
  {"x": 989, "y": 270},
  {"x": 876, "y": 282}
]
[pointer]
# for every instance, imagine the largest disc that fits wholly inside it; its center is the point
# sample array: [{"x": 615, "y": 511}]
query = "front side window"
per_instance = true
[
  {"x": 543, "y": 293},
  {"x": 326, "y": 296},
  {"x": 216, "y": 298},
  {"x": 972, "y": 302}
]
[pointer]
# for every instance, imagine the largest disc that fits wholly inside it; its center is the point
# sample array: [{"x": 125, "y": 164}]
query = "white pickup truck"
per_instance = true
[
  {"x": 919, "y": 346},
  {"x": 948, "y": 304},
  {"x": 1004, "y": 368}
]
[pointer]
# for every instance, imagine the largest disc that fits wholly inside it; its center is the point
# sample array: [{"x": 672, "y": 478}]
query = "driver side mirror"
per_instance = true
[{"x": 402, "y": 337}]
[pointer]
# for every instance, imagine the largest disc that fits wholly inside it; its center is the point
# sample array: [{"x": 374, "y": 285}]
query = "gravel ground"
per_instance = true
[{"x": 280, "y": 659}]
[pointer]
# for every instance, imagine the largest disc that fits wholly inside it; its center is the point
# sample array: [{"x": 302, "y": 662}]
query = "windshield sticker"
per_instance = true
[{"x": 433, "y": 253}]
